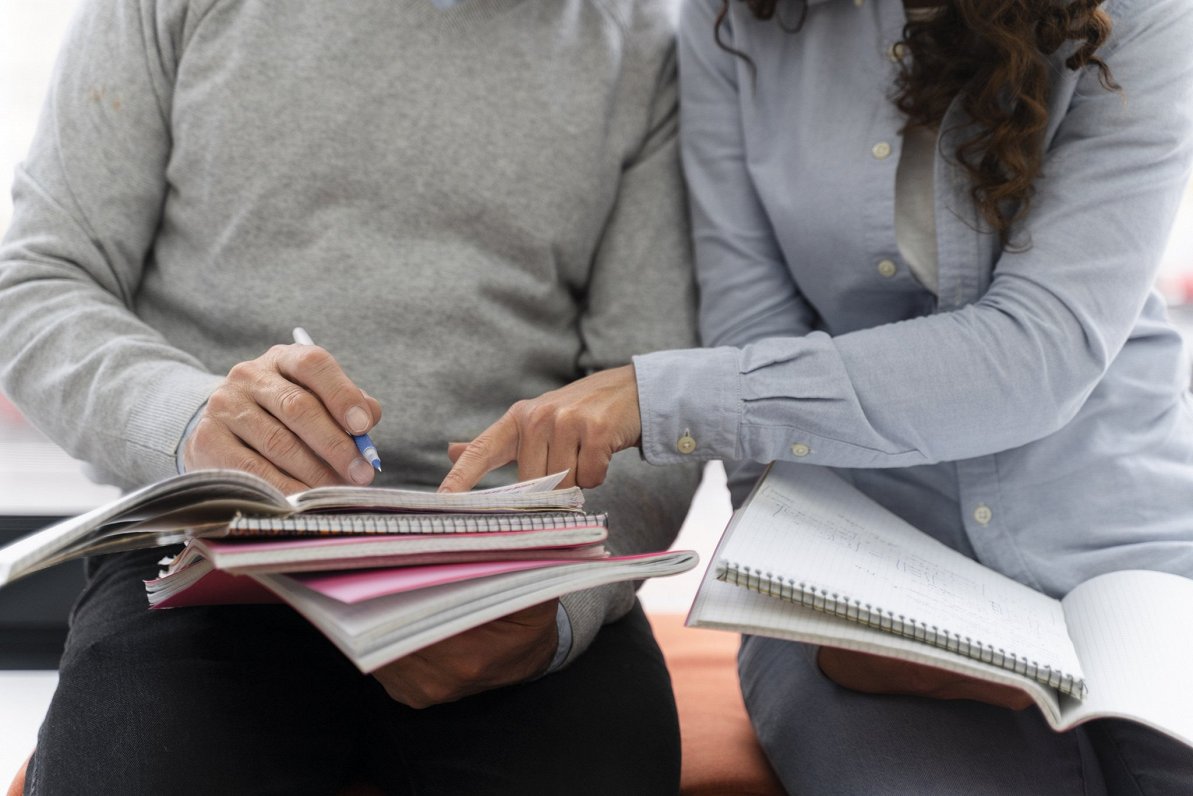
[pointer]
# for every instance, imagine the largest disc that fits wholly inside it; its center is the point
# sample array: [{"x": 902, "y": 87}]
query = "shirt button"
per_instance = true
[
  {"x": 686, "y": 444},
  {"x": 800, "y": 449},
  {"x": 982, "y": 514},
  {"x": 881, "y": 150},
  {"x": 897, "y": 51},
  {"x": 887, "y": 268}
]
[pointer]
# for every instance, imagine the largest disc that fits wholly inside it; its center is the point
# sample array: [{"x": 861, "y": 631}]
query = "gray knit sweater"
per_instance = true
[{"x": 467, "y": 207}]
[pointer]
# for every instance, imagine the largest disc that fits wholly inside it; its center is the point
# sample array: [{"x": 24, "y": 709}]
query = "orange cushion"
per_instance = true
[
  {"x": 720, "y": 752},
  {"x": 18, "y": 783}
]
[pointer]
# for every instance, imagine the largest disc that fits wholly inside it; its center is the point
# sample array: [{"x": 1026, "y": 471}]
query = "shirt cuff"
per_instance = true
[
  {"x": 186, "y": 434},
  {"x": 563, "y": 626},
  {"x": 690, "y": 402}
]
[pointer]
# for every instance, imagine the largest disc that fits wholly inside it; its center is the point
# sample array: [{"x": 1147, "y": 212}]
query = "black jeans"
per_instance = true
[{"x": 251, "y": 699}]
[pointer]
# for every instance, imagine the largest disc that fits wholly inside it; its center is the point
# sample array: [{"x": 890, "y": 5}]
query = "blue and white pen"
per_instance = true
[{"x": 363, "y": 444}]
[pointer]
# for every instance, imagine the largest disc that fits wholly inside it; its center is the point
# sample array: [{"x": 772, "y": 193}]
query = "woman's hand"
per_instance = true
[
  {"x": 874, "y": 674},
  {"x": 576, "y": 428},
  {"x": 508, "y": 650},
  {"x": 286, "y": 416}
]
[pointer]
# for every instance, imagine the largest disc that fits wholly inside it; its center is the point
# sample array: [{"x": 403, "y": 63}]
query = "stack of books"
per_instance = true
[{"x": 381, "y": 572}]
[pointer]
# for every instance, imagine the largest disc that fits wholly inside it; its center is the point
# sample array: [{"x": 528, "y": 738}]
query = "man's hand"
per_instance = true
[
  {"x": 874, "y": 674},
  {"x": 505, "y": 651},
  {"x": 576, "y": 428},
  {"x": 286, "y": 416}
]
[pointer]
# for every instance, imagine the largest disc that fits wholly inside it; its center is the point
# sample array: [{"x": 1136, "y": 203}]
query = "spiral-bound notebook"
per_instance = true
[
  {"x": 373, "y": 523},
  {"x": 810, "y": 558},
  {"x": 572, "y": 535},
  {"x": 802, "y": 547}
]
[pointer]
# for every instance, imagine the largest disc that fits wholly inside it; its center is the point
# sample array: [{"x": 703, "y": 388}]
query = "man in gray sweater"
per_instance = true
[{"x": 466, "y": 203}]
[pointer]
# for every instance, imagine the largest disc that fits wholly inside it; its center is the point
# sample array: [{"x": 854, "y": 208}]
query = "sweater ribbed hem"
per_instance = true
[
  {"x": 589, "y": 610},
  {"x": 157, "y": 423}
]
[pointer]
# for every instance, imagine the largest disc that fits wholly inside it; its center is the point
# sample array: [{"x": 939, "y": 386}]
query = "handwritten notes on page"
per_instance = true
[{"x": 810, "y": 531}]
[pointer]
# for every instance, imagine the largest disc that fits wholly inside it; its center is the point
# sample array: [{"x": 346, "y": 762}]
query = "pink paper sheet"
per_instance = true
[{"x": 355, "y": 586}]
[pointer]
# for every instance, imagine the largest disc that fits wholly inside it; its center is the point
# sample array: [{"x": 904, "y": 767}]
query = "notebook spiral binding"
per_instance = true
[
  {"x": 327, "y": 524},
  {"x": 840, "y": 605}
]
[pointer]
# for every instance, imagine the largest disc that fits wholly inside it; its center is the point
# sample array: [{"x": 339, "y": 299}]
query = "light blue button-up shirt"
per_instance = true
[{"x": 1036, "y": 413}]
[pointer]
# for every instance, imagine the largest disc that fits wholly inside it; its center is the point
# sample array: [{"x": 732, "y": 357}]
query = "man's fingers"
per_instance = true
[
  {"x": 374, "y": 407},
  {"x": 295, "y": 409},
  {"x": 508, "y": 650},
  {"x": 233, "y": 419},
  {"x": 496, "y": 445},
  {"x": 306, "y": 416},
  {"x": 285, "y": 450},
  {"x": 317, "y": 370},
  {"x": 214, "y": 445},
  {"x": 534, "y": 615}
]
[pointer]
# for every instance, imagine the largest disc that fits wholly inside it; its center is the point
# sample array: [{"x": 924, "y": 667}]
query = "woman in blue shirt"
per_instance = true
[{"x": 926, "y": 238}]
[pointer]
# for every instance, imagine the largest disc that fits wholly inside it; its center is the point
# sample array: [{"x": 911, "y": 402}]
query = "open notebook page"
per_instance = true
[
  {"x": 1133, "y": 633},
  {"x": 808, "y": 526}
]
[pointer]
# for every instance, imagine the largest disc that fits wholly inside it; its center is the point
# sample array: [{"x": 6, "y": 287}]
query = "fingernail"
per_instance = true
[
  {"x": 358, "y": 420},
  {"x": 361, "y": 472}
]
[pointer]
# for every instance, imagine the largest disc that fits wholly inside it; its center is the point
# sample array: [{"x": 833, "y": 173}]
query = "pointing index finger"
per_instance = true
[{"x": 495, "y": 446}]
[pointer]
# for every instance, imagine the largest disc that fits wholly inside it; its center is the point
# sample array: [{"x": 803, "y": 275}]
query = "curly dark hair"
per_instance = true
[{"x": 993, "y": 55}]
